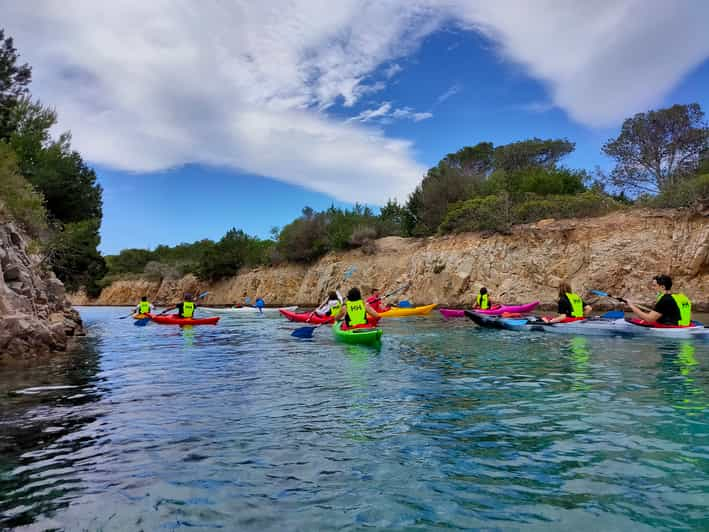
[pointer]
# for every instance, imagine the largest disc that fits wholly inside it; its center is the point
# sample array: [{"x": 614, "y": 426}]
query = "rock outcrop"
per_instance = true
[
  {"x": 618, "y": 253},
  {"x": 36, "y": 317}
]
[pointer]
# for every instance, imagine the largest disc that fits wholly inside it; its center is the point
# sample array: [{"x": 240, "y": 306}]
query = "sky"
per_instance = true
[{"x": 202, "y": 116}]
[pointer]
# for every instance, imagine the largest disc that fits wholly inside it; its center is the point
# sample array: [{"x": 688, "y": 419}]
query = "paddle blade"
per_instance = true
[
  {"x": 203, "y": 294},
  {"x": 613, "y": 315},
  {"x": 599, "y": 293},
  {"x": 142, "y": 322},
  {"x": 303, "y": 332},
  {"x": 405, "y": 304}
]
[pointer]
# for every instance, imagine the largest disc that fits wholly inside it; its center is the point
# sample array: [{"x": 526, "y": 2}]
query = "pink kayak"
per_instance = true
[{"x": 520, "y": 309}]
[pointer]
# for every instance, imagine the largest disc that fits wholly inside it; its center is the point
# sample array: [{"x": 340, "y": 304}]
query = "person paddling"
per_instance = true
[
  {"x": 186, "y": 308},
  {"x": 355, "y": 311},
  {"x": 670, "y": 309},
  {"x": 331, "y": 307},
  {"x": 482, "y": 300},
  {"x": 571, "y": 306},
  {"x": 144, "y": 307},
  {"x": 375, "y": 301}
]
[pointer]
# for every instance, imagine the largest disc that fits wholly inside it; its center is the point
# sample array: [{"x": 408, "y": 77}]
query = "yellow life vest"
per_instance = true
[
  {"x": 576, "y": 305},
  {"x": 144, "y": 307},
  {"x": 356, "y": 313},
  {"x": 187, "y": 309},
  {"x": 685, "y": 309},
  {"x": 335, "y": 309},
  {"x": 483, "y": 301}
]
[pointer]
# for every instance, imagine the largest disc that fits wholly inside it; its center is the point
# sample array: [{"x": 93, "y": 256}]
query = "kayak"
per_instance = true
[
  {"x": 364, "y": 335},
  {"x": 141, "y": 316},
  {"x": 246, "y": 310},
  {"x": 174, "y": 320},
  {"x": 497, "y": 311},
  {"x": 590, "y": 327},
  {"x": 400, "y": 312},
  {"x": 304, "y": 317}
]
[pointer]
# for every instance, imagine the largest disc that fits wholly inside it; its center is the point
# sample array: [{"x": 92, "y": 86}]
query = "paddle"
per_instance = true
[
  {"x": 395, "y": 291},
  {"x": 405, "y": 304},
  {"x": 142, "y": 322},
  {"x": 622, "y": 300},
  {"x": 308, "y": 330}
]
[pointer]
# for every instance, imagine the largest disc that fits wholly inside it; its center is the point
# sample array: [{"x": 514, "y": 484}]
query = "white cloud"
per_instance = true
[
  {"x": 452, "y": 91},
  {"x": 152, "y": 85}
]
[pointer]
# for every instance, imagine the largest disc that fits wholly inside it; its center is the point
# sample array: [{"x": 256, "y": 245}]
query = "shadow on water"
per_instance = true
[{"x": 44, "y": 412}]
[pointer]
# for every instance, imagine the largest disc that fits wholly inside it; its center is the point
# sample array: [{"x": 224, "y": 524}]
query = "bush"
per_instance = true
[
  {"x": 158, "y": 271},
  {"x": 686, "y": 193},
  {"x": 478, "y": 214},
  {"x": 585, "y": 205},
  {"x": 21, "y": 201}
]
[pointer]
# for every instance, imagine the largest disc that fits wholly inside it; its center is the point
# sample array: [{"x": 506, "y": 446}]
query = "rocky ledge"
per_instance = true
[{"x": 36, "y": 317}]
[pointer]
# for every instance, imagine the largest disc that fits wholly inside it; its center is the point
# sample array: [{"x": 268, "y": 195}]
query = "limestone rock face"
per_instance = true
[
  {"x": 36, "y": 317},
  {"x": 618, "y": 253}
]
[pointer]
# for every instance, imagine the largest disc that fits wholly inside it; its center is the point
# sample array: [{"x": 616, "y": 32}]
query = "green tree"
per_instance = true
[
  {"x": 531, "y": 153},
  {"x": 17, "y": 197},
  {"x": 14, "y": 83},
  {"x": 657, "y": 149}
]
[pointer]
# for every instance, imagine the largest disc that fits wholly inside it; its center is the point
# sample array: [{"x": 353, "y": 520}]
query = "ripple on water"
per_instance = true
[{"x": 241, "y": 426}]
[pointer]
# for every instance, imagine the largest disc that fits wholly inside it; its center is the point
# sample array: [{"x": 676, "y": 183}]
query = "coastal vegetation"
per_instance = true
[{"x": 45, "y": 186}]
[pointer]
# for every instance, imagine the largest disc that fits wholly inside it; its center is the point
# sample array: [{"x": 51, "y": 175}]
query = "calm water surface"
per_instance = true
[{"x": 445, "y": 426}]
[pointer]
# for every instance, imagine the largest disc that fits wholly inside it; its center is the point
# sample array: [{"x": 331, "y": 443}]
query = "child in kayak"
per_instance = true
[
  {"x": 144, "y": 307},
  {"x": 355, "y": 311},
  {"x": 670, "y": 309},
  {"x": 571, "y": 306},
  {"x": 331, "y": 307},
  {"x": 375, "y": 301},
  {"x": 482, "y": 300}
]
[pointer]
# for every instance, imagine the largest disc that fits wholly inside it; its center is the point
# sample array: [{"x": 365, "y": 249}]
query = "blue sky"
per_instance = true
[{"x": 245, "y": 118}]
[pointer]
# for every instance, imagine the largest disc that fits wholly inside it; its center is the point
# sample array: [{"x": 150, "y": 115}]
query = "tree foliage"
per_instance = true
[
  {"x": 14, "y": 81},
  {"x": 657, "y": 149},
  {"x": 18, "y": 198}
]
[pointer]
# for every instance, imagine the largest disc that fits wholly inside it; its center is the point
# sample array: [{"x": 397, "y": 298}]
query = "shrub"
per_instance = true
[
  {"x": 585, "y": 205},
  {"x": 686, "y": 193},
  {"x": 21, "y": 201},
  {"x": 478, "y": 214}
]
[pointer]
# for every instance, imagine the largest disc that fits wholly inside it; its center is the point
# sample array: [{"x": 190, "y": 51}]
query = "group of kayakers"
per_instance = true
[{"x": 669, "y": 309}]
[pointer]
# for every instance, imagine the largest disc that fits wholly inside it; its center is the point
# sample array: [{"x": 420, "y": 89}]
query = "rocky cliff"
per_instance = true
[
  {"x": 35, "y": 315},
  {"x": 618, "y": 253}
]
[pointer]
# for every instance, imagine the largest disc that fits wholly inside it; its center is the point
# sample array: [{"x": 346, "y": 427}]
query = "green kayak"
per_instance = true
[{"x": 369, "y": 335}]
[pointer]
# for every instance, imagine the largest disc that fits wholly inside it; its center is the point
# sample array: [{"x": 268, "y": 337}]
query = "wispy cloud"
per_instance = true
[
  {"x": 534, "y": 107},
  {"x": 385, "y": 114},
  {"x": 248, "y": 86},
  {"x": 452, "y": 91}
]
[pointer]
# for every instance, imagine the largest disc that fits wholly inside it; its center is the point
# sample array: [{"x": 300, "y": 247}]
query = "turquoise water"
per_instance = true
[{"x": 445, "y": 426}]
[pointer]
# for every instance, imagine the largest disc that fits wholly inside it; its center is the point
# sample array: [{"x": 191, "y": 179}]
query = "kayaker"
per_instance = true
[
  {"x": 186, "y": 308},
  {"x": 331, "y": 307},
  {"x": 482, "y": 300},
  {"x": 375, "y": 301},
  {"x": 670, "y": 309},
  {"x": 355, "y": 311},
  {"x": 571, "y": 306},
  {"x": 144, "y": 307}
]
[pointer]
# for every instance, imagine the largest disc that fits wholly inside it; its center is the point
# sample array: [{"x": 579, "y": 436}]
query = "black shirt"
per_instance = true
[
  {"x": 565, "y": 306},
  {"x": 667, "y": 306},
  {"x": 180, "y": 310}
]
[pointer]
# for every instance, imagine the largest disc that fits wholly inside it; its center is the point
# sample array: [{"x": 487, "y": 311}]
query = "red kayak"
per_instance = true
[
  {"x": 173, "y": 319},
  {"x": 306, "y": 317}
]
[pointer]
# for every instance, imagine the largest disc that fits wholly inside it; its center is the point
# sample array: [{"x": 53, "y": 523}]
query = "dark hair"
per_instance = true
[
  {"x": 564, "y": 288},
  {"x": 664, "y": 281},
  {"x": 483, "y": 290},
  {"x": 188, "y": 296},
  {"x": 332, "y": 295},
  {"x": 354, "y": 294},
  {"x": 144, "y": 298}
]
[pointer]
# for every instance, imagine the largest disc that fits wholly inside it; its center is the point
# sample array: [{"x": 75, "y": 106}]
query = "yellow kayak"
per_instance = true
[
  {"x": 141, "y": 316},
  {"x": 397, "y": 312}
]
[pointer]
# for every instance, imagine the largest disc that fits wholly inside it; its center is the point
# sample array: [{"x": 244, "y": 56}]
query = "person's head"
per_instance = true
[
  {"x": 354, "y": 294},
  {"x": 564, "y": 288},
  {"x": 144, "y": 298},
  {"x": 663, "y": 281},
  {"x": 375, "y": 292},
  {"x": 332, "y": 296},
  {"x": 187, "y": 296},
  {"x": 483, "y": 291}
]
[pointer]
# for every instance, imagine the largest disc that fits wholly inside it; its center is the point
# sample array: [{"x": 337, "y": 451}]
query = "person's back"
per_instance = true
[
  {"x": 186, "y": 308},
  {"x": 482, "y": 300},
  {"x": 375, "y": 301},
  {"x": 144, "y": 307}
]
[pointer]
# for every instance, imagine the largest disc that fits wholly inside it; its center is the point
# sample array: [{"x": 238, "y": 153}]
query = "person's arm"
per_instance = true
[
  {"x": 371, "y": 311},
  {"x": 341, "y": 315},
  {"x": 651, "y": 315},
  {"x": 558, "y": 319},
  {"x": 587, "y": 309}
]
